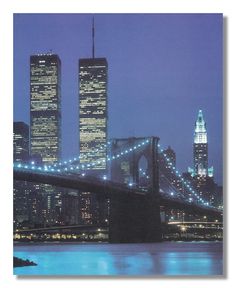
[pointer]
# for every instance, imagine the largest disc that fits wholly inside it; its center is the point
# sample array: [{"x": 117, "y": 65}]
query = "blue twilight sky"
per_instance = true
[{"x": 163, "y": 68}]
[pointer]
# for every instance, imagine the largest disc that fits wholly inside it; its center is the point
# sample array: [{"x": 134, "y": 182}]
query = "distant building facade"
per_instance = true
[
  {"x": 166, "y": 167},
  {"x": 20, "y": 142},
  {"x": 21, "y": 190}
]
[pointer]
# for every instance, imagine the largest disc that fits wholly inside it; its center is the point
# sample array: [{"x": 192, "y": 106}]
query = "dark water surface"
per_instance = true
[{"x": 167, "y": 258}]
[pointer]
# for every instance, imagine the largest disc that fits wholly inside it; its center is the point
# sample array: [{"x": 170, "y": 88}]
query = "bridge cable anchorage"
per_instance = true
[
  {"x": 186, "y": 184},
  {"x": 79, "y": 167}
]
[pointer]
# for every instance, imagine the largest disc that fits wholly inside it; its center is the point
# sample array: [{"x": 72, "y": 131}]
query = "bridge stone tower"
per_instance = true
[{"x": 135, "y": 219}]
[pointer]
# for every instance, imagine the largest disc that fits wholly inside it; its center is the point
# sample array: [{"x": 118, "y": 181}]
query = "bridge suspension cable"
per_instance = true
[
  {"x": 80, "y": 167},
  {"x": 183, "y": 181},
  {"x": 70, "y": 166}
]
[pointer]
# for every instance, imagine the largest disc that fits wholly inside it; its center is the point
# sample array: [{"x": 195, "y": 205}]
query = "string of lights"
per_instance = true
[
  {"x": 185, "y": 183},
  {"x": 69, "y": 166}
]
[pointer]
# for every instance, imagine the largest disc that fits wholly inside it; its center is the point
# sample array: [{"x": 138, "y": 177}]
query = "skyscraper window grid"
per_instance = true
[
  {"x": 93, "y": 111},
  {"x": 45, "y": 107}
]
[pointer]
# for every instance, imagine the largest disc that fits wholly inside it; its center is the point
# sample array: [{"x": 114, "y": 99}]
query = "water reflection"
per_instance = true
[{"x": 122, "y": 259}]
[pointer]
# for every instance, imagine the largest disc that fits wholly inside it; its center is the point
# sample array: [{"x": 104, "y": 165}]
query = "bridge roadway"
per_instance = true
[{"x": 108, "y": 189}]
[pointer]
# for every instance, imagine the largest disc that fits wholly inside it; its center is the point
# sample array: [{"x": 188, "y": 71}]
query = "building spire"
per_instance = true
[
  {"x": 200, "y": 132},
  {"x": 93, "y": 32}
]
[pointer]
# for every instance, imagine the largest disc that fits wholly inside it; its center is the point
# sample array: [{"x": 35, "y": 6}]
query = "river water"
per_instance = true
[{"x": 167, "y": 258}]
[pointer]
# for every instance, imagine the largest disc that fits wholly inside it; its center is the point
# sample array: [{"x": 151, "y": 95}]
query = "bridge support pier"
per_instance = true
[{"x": 134, "y": 220}]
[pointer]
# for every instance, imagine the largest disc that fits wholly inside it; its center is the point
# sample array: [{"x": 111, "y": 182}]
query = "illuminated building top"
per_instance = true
[
  {"x": 200, "y": 149},
  {"x": 200, "y": 135}
]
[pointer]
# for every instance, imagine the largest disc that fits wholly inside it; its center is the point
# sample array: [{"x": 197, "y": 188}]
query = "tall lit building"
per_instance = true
[
  {"x": 93, "y": 111},
  {"x": 200, "y": 149},
  {"x": 20, "y": 141},
  {"x": 45, "y": 107},
  {"x": 93, "y": 116},
  {"x": 45, "y": 124},
  {"x": 202, "y": 175}
]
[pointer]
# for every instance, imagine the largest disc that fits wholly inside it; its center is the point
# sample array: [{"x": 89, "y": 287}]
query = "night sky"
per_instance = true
[{"x": 163, "y": 68}]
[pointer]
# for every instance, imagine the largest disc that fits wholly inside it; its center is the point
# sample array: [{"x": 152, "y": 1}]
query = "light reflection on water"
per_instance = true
[{"x": 167, "y": 258}]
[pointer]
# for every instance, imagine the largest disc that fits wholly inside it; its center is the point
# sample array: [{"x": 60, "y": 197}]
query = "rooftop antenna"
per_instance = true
[{"x": 93, "y": 37}]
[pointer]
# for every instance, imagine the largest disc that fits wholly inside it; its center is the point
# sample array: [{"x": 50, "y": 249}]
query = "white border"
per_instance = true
[{"x": 7, "y": 8}]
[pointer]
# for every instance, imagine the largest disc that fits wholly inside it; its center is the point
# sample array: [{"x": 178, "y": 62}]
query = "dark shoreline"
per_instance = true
[{"x": 18, "y": 262}]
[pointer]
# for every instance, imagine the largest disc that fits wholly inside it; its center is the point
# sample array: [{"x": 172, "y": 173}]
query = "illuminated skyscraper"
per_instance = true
[
  {"x": 200, "y": 149},
  {"x": 45, "y": 107},
  {"x": 93, "y": 111},
  {"x": 93, "y": 129},
  {"x": 45, "y": 124}
]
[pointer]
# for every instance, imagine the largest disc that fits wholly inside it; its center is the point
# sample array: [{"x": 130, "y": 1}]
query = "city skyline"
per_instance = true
[{"x": 141, "y": 88}]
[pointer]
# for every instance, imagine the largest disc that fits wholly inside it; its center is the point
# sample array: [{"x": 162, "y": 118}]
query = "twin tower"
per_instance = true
[{"x": 45, "y": 109}]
